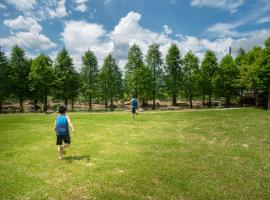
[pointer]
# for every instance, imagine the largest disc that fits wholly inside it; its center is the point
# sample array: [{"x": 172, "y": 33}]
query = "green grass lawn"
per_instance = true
[{"x": 213, "y": 154}]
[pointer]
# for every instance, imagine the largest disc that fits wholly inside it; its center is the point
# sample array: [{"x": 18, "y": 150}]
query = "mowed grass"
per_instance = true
[{"x": 213, "y": 154}]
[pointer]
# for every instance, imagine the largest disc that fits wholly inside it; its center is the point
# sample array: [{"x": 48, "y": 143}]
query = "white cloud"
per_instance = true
[
  {"x": 129, "y": 31},
  {"x": 2, "y": 6},
  {"x": 57, "y": 9},
  {"x": 88, "y": 36},
  {"x": 24, "y": 23},
  {"x": 31, "y": 38},
  {"x": 167, "y": 30},
  {"x": 81, "y": 5},
  {"x": 28, "y": 40},
  {"x": 22, "y": 5},
  {"x": 231, "y": 5},
  {"x": 263, "y": 20}
]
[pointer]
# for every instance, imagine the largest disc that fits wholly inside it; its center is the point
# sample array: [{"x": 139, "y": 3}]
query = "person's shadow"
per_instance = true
[{"x": 69, "y": 159}]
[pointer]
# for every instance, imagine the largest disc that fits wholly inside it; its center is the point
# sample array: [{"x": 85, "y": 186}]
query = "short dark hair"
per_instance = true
[
  {"x": 134, "y": 96},
  {"x": 62, "y": 109}
]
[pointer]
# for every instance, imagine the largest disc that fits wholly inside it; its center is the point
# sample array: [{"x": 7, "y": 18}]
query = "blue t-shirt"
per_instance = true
[
  {"x": 134, "y": 103},
  {"x": 62, "y": 125}
]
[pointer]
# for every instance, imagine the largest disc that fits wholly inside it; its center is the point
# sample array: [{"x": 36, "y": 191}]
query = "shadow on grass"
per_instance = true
[{"x": 69, "y": 159}]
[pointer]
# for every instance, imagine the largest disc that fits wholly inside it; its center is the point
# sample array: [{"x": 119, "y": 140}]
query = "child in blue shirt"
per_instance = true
[
  {"x": 134, "y": 106},
  {"x": 62, "y": 131}
]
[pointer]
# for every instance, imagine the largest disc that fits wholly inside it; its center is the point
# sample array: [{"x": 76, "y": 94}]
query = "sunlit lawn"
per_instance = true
[{"x": 213, "y": 154}]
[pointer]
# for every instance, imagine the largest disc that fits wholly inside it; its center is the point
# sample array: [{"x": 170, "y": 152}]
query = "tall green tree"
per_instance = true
[
  {"x": 226, "y": 79},
  {"x": 110, "y": 80},
  {"x": 209, "y": 68},
  {"x": 154, "y": 63},
  {"x": 4, "y": 81},
  {"x": 64, "y": 71},
  {"x": 239, "y": 63},
  {"x": 190, "y": 75},
  {"x": 89, "y": 75},
  {"x": 134, "y": 63},
  {"x": 173, "y": 72},
  {"x": 20, "y": 70},
  {"x": 74, "y": 86},
  {"x": 249, "y": 71},
  {"x": 264, "y": 71},
  {"x": 41, "y": 78}
]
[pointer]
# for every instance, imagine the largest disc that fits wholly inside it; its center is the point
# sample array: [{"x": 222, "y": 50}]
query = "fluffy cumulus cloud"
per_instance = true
[
  {"x": 28, "y": 40},
  {"x": 88, "y": 36},
  {"x": 28, "y": 35},
  {"x": 56, "y": 9},
  {"x": 81, "y": 5},
  {"x": 22, "y": 5},
  {"x": 129, "y": 31},
  {"x": 231, "y": 5},
  {"x": 24, "y": 23}
]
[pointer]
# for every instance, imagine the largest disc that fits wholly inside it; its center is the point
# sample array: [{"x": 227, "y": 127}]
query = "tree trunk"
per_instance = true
[
  {"x": 241, "y": 98},
  {"x": 106, "y": 104},
  {"x": 210, "y": 100},
  {"x": 45, "y": 101},
  {"x": 190, "y": 100},
  {"x": 154, "y": 101},
  {"x": 256, "y": 98},
  {"x": 72, "y": 104},
  {"x": 1, "y": 101},
  {"x": 111, "y": 107},
  {"x": 174, "y": 100},
  {"x": 228, "y": 102},
  {"x": 203, "y": 100},
  {"x": 35, "y": 105},
  {"x": 90, "y": 103},
  {"x": 66, "y": 102},
  {"x": 21, "y": 103},
  {"x": 268, "y": 98}
]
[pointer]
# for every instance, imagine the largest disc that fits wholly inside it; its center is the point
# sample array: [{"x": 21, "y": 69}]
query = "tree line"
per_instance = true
[{"x": 148, "y": 78}]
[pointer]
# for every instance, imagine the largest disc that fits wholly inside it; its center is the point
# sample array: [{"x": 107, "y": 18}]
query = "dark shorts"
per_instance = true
[
  {"x": 61, "y": 138},
  {"x": 134, "y": 110}
]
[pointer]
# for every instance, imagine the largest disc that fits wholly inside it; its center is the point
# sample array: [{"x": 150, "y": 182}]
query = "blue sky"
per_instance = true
[{"x": 111, "y": 26}]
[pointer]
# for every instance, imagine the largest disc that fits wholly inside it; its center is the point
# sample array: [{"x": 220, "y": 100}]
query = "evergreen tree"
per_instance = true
[
  {"x": 64, "y": 71},
  {"x": 110, "y": 80},
  {"x": 20, "y": 70},
  {"x": 4, "y": 81},
  {"x": 173, "y": 76},
  {"x": 209, "y": 67},
  {"x": 154, "y": 62},
  {"x": 89, "y": 75},
  {"x": 239, "y": 63},
  {"x": 249, "y": 71},
  {"x": 137, "y": 76},
  {"x": 264, "y": 71},
  {"x": 226, "y": 79},
  {"x": 41, "y": 78},
  {"x": 190, "y": 75}
]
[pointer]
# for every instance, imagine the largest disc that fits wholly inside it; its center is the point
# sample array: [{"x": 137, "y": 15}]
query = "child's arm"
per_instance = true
[{"x": 71, "y": 125}]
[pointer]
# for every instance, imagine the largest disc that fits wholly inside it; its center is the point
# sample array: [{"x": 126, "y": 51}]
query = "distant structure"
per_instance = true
[{"x": 230, "y": 50}]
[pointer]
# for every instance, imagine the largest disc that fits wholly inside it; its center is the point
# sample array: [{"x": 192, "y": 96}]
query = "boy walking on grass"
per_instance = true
[
  {"x": 62, "y": 132},
  {"x": 134, "y": 106}
]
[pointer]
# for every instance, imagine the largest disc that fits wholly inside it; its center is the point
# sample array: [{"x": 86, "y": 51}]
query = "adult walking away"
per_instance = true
[
  {"x": 134, "y": 106},
  {"x": 62, "y": 131}
]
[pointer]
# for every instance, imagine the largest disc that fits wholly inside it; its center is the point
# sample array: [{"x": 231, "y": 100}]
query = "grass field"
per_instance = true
[{"x": 213, "y": 154}]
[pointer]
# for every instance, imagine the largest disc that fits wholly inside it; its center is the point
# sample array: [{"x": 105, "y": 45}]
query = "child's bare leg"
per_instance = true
[
  {"x": 59, "y": 152},
  {"x": 65, "y": 145}
]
